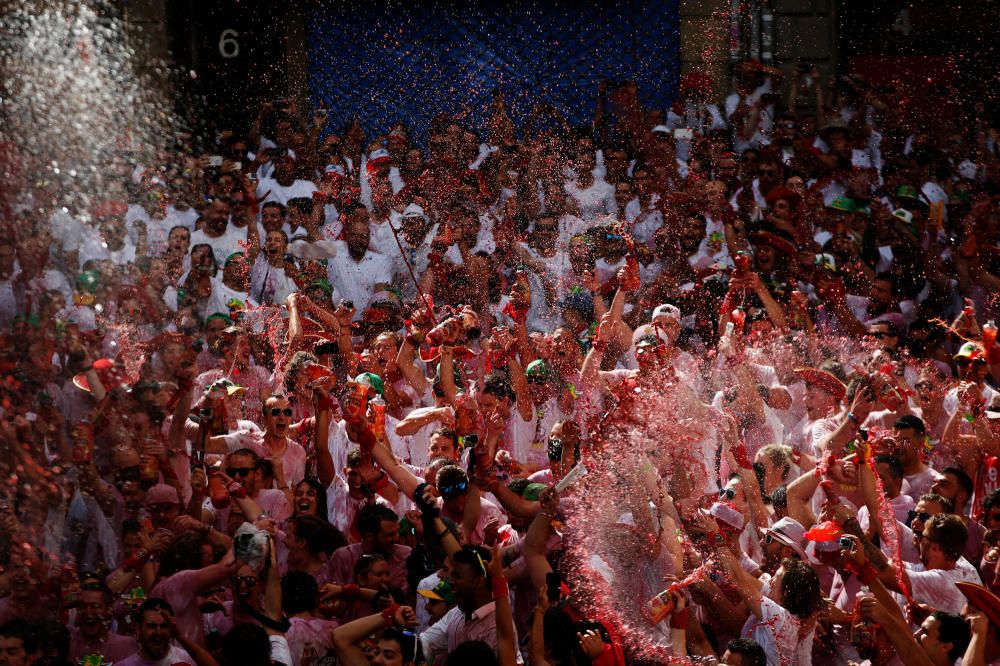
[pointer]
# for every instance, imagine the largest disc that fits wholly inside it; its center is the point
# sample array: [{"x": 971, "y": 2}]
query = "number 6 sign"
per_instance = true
[{"x": 228, "y": 46}]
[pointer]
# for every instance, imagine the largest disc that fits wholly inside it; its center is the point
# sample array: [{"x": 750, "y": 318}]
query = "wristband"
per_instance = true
[
  {"x": 382, "y": 482},
  {"x": 500, "y": 588},
  {"x": 679, "y": 619},
  {"x": 389, "y": 615},
  {"x": 350, "y": 592},
  {"x": 867, "y": 575},
  {"x": 237, "y": 490}
]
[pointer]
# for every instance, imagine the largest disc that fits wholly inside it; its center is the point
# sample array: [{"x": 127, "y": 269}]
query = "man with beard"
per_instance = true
[
  {"x": 415, "y": 232},
  {"x": 357, "y": 272},
  {"x": 155, "y": 631},
  {"x": 283, "y": 186},
  {"x": 271, "y": 275},
  {"x": 215, "y": 232},
  {"x": 91, "y": 634}
]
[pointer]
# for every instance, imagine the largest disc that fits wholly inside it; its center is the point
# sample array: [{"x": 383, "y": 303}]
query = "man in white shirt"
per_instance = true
[
  {"x": 283, "y": 185},
  {"x": 357, "y": 272},
  {"x": 156, "y": 647},
  {"x": 215, "y": 231}
]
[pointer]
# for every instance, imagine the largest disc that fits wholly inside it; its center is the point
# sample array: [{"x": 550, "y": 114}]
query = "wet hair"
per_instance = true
[
  {"x": 963, "y": 479},
  {"x": 321, "y": 499},
  {"x": 950, "y": 534},
  {"x": 274, "y": 204},
  {"x": 946, "y": 504},
  {"x": 406, "y": 642},
  {"x": 370, "y": 518},
  {"x": 299, "y": 592},
  {"x": 183, "y": 554},
  {"x": 365, "y": 563},
  {"x": 19, "y": 628},
  {"x": 295, "y": 366},
  {"x": 498, "y": 385},
  {"x": 473, "y": 652},
  {"x": 895, "y": 466},
  {"x": 908, "y": 421},
  {"x": 992, "y": 500},
  {"x": 450, "y": 433},
  {"x": 779, "y": 497},
  {"x": 779, "y": 455},
  {"x": 320, "y": 536},
  {"x": 750, "y": 651},
  {"x": 800, "y": 588},
  {"x": 246, "y": 644},
  {"x": 952, "y": 629},
  {"x": 475, "y": 557}
]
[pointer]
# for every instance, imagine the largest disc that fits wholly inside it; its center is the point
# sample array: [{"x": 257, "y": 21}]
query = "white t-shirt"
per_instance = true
[
  {"x": 594, "y": 201},
  {"x": 177, "y": 655},
  {"x": 299, "y": 189},
  {"x": 777, "y": 631},
  {"x": 937, "y": 586},
  {"x": 269, "y": 285},
  {"x": 356, "y": 280},
  {"x": 224, "y": 245}
]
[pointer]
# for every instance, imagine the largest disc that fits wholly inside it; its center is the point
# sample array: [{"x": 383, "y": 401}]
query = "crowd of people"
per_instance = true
[{"x": 710, "y": 383}]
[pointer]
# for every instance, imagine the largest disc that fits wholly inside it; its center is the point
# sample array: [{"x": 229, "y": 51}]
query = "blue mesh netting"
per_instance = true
[{"x": 408, "y": 62}]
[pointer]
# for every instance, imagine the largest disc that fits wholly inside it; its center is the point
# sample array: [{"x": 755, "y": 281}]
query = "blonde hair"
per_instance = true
[{"x": 780, "y": 456}]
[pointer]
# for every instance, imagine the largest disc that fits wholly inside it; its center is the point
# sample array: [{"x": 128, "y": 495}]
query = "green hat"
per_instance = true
[
  {"x": 440, "y": 592},
  {"x": 88, "y": 281},
  {"x": 231, "y": 257},
  {"x": 532, "y": 491},
  {"x": 372, "y": 380},
  {"x": 322, "y": 284},
  {"x": 972, "y": 351},
  {"x": 844, "y": 204},
  {"x": 537, "y": 369},
  {"x": 907, "y": 192}
]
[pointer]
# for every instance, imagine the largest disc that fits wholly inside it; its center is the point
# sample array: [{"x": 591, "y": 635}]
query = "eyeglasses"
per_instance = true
[
  {"x": 287, "y": 411},
  {"x": 240, "y": 471},
  {"x": 249, "y": 581},
  {"x": 452, "y": 489},
  {"x": 727, "y": 493}
]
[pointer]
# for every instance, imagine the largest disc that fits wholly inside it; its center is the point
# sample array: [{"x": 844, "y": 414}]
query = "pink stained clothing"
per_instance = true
[
  {"x": 255, "y": 379},
  {"x": 181, "y": 592},
  {"x": 309, "y": 640},
  {"x": 342, "y": 509},
  {"x": 341, "y": 566},
  {"x": 113, "y": 649},
  {"x": 272, "y": 502},
  {"x": 490, "y": 511},
  {"x": 937, "y": 586},
  {"x": 177, "y": 655},
  {"x": 454, "y": 628},
  {"x": 779, "y": 633}
]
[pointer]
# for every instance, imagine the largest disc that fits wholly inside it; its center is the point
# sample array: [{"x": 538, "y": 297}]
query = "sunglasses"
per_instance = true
[
  {"x": 615, "y": 237},
  {"x": 923, "y": 516},
  {"x": 249, "y": 581},
  {"x": 554, "y": 448},
  {"x": 727, "y": 493},
  {"x": 769, "y": 539},
  {"x": 287, "y": 411},
  {"x": 234, "y": 472},
  {"x": 450, "y": 490}
]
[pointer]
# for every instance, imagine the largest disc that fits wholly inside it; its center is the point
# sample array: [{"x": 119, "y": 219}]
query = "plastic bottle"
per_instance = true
[
  {"x": 989, "y": 334},
  {"x": 378, "y": 423},
  {"x": 862, "y": 630}
]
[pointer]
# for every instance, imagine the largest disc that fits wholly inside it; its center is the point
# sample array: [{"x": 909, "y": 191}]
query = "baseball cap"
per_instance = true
[
  {"x": 661, "y": 129},
  {"x": 440, "y": 592},
  {"x": 666, "y": 310},
  {"x": 844, "y": 205}
]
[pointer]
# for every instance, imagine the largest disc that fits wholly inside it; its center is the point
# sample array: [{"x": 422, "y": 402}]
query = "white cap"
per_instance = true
[
  {"x": 266, "y": 144},
  {"x": 666, "y": 310},
  {"x": 377, "y": 154},
  {"x": 413, "y": 210},
  {"x": 334, "y": 168},
  {"x": 661, "y": 129},
  {"x": 728, "y": 514}
]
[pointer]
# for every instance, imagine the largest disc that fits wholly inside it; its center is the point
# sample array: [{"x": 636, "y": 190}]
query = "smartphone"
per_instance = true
[
  {"x": 553, "y": 586},
  {"x": 685, "y": 133},
  {"x": 215, "y": 160}
]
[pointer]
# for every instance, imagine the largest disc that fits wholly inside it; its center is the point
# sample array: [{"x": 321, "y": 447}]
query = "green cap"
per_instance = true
[
  {"x": 440, "y": 592},
  {"x": 844, "y": 204},
  {"x": 532, "y": 491},
  {"x": 537, "y": 369},
  {"x": 372, "y": 380},
  {"x": 88, "y": 281},
  {"x": 322, "y": 284},
  {"x": 907, "y": 192},
  {"x": 234, "y": 255}
]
